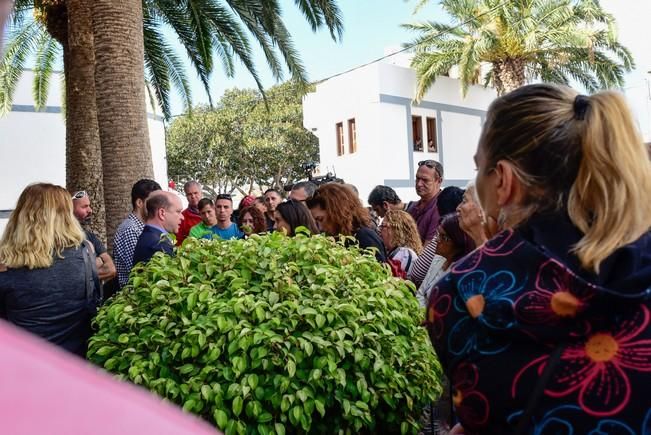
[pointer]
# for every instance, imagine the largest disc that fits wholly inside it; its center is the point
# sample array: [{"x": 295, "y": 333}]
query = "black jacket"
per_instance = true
[{"x": 151, "y": 241}]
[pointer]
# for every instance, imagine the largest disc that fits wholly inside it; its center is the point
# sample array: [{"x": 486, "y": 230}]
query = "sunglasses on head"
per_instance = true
[
  {"x": 79, "y": 194},
  {"x": 432, "y": 164},
  {"x": 223, "y": 196}
]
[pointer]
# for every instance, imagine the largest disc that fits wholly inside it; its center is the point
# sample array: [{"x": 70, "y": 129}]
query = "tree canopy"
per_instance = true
[
  {"x": 244, "y": 142},
  {"x": 508, "y": 43}
]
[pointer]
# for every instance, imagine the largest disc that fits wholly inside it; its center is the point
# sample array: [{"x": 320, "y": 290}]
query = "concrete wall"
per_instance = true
[{"x": 32, "y": 145}]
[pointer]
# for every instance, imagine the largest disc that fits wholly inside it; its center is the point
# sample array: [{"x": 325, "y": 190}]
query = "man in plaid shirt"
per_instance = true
[{"x": 127, "y": 234}]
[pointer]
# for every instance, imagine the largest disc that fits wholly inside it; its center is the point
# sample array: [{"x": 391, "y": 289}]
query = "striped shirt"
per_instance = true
[
  {"x": 422, "y": 263},
  {"x": 124, "y": 244}
]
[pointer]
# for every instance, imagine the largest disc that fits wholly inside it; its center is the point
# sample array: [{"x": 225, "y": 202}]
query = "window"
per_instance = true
[
  {"x": 431, "y": 135},
  {"x": 417, "y": 132},
  {"x": 340, "y": 139},
  {"x": 352, "y": 136}
]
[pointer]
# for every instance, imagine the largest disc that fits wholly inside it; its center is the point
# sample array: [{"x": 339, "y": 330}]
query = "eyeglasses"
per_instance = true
[
  {"x": 442, "y": 237},
  {"x": 224, "y": 196},
  {"x": 80, "y": 194}
]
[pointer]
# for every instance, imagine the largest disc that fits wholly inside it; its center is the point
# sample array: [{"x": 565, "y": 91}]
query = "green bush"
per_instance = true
[{"x": 273, "y": 335}]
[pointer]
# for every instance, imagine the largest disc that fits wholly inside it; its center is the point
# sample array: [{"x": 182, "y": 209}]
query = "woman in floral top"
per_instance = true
[{"x": 546, "y": 328}]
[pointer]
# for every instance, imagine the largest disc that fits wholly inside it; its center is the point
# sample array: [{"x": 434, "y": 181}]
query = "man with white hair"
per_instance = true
[{"x": 191, "y": 215}]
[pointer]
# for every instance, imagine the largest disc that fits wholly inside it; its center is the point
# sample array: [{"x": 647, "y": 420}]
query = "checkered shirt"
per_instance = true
[{"x": 124, "y": 245}]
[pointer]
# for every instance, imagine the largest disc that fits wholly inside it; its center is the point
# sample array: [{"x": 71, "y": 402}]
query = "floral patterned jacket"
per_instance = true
[{"x": 497, "y": 316}]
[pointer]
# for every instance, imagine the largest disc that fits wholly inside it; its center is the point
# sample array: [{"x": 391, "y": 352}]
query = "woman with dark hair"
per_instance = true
[
  {"x": 546, "y": 328},
  {"x": 452, "y": 244},
  {"x": 447, "y": 202},
  {"x": 290, "y": 215},
  {"x": 251, "y": 221},
  {"x": 337, "y": 211}
]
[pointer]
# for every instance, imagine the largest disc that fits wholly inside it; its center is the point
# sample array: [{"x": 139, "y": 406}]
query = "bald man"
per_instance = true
[{"x": 164, "y": 215}]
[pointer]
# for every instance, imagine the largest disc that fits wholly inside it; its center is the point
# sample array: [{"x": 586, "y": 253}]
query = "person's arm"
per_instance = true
[{"x": 105, "y": 267}]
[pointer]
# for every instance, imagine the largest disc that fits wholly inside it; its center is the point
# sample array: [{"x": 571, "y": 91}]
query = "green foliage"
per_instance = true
[
  {"x": 550, "y": 40},
  {"x": 246, "y": 140},
  {"x": 273, "y": 335}
]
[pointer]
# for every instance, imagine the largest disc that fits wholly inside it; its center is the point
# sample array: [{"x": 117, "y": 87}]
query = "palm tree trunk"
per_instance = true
[
  {"x": 83, "y": 149},
  {"x": 121, "y": 108},
  {"x": 508, "y": 75}
]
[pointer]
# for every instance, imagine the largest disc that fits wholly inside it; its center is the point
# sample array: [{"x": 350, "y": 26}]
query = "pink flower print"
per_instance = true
[
  {"x": 597, "y": 367},
  {"x": 471, "y": 406},
  {"x": 559, "y": 295},
  {"x": 438, "y": 308},
  {"x": 499, "y": 246}
]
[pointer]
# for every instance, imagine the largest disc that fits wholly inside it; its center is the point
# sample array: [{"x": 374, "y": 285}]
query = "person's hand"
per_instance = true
[{"x": 471, "y": 221}]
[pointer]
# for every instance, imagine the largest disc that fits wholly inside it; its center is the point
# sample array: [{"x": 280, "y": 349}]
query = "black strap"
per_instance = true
[{"x": 552, "y": 362}]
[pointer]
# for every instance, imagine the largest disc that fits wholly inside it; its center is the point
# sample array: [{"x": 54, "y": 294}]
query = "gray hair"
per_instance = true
[
  {"x": 190, "y": 184},
  {"x": 308, "y": 186}
]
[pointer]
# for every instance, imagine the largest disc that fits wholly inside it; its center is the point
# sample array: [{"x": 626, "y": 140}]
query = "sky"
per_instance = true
[
  {"x": 369, "y": 27},
  {"x": 372, "y": 26}
]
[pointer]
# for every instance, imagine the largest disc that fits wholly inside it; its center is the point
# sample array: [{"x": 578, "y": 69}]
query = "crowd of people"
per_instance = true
[{"x": 534, "y": 280}]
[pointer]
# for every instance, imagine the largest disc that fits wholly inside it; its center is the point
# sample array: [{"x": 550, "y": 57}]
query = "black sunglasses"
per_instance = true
[{"x": 224, "y": 196}]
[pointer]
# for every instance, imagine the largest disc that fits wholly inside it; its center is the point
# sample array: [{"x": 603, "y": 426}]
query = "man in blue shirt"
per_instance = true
[
  {"x": 164, "y": 215},
  {"x": 216, "y": 220}
]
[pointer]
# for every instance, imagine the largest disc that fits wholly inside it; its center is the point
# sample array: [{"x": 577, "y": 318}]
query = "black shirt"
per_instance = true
[
  {"x": 96, "y": 242},
  {"x": 367, "y": 238}
]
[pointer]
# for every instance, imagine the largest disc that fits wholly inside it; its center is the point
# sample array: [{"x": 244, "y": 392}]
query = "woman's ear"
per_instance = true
[{"x": 508, "y": 186}]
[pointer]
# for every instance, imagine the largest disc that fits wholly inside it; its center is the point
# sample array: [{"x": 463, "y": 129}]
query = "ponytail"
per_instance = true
[{"x": 610, "y": 200}]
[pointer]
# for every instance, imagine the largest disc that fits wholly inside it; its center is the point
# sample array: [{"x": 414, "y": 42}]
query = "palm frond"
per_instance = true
[
  {"x": 47, "y": 52},
  {"x": 22, "y": 42},
  {"x": 320, "y": 12},
  {"x": 156, "y": 67}
]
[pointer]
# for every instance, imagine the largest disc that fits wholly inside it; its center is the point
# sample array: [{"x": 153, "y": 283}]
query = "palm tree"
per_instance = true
[
  {"x": 216, "y": 27},
  {"x": 512, "y": 42},
  {"x": 206, "y": 28}
]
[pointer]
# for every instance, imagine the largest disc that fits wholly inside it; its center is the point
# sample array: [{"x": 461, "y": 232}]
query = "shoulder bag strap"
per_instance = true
[
  {"x": 89, "y": 276},
  {"x": 525, "y": 421}
]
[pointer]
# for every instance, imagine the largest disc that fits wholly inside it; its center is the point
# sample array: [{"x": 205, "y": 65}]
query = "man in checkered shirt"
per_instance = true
[{"x": 127, "y": 234}]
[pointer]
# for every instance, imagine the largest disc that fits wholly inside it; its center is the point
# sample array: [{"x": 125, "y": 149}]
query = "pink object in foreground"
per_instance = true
[{"x": 44, "y": 390}]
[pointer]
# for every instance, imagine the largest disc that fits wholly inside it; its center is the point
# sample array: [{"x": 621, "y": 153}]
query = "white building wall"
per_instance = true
[
  {"x": 379, "y": 97},
  {"x": 32, "y": 145}
]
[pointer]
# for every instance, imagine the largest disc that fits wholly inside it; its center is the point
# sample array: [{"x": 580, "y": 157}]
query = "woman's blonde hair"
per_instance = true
[
  {"x": 404, "y": 232},
  {"x": 579, "y": 152},
  {"x": 41, "y": 226}
]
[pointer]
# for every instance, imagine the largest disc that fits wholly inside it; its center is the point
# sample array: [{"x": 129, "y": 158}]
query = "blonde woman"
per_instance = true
[
  {"x": 48, "y": 280},
  {"x": 401, "y": 240},
  {"x": 547, "y": 326}
]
